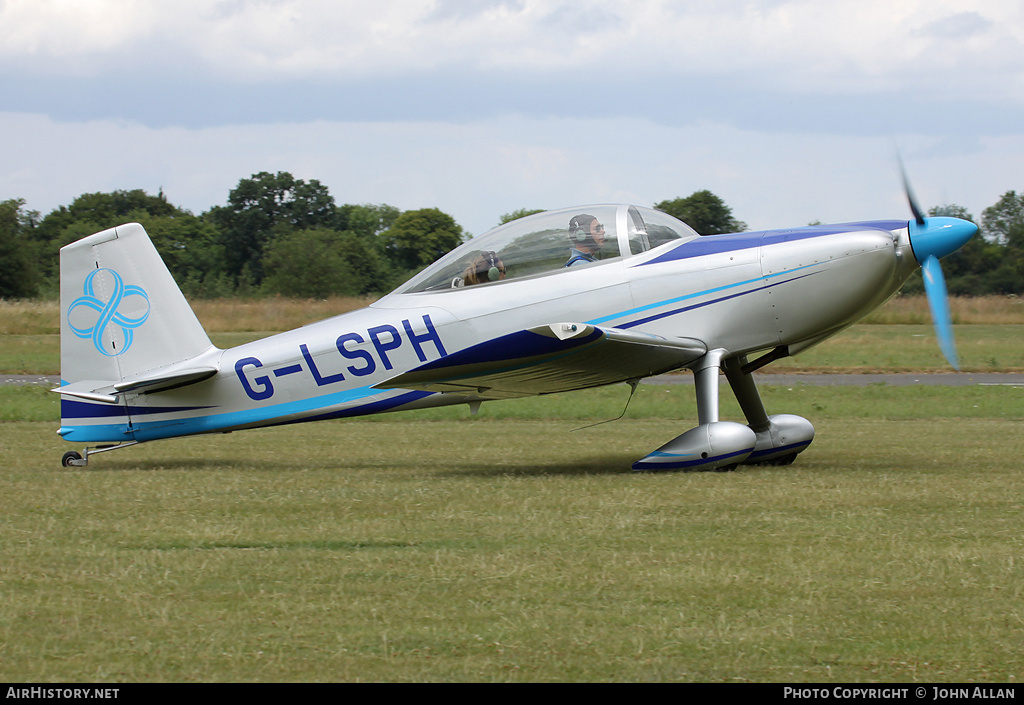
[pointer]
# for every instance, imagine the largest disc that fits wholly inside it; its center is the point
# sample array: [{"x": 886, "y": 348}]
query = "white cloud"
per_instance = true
[
  {"x": 796, "y": 45},
  {"x": 65, "y": 33},
  {"x": 958, "y": 26},
  {"x": 480, "y": 170},
  {"x": 784, "y": 108}
]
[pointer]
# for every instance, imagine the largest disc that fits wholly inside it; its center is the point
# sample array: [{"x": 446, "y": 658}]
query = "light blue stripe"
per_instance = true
[
  {"x": 152, "y": 430},
  {"x": 234, "y": 418},
  {"x": 669, "y": 302}
]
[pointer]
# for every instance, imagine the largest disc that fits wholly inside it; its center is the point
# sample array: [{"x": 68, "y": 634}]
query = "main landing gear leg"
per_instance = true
[
  {"x": 780, "y": 437},
  {"x": 714, "y": 444},
  {"x": 74, "y": 459}
]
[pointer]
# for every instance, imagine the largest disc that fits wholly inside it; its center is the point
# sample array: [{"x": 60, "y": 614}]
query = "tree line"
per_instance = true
[
  {"x": 275, "y": 235},
  {"x": 278, "y": 235}
]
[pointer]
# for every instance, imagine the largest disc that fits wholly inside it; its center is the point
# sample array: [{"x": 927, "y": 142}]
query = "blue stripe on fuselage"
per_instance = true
[
  {"x": 212, "y": 423},
  {"x": 74, "y": 409},
  {"x": 521, "y": 349},
  {"x": 673, "y": 312},
  {"x": 698, "y": 294},
  {"x": 717, "y": 244}
]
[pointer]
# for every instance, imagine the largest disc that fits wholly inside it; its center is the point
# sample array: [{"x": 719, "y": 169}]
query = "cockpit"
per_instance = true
[{"x": 551, "y": 242}]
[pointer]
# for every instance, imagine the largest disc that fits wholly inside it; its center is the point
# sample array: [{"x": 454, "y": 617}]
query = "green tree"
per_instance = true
[
  {"x": 1004, "y": 222},
  {"x": 366, "y": 221},
  {"x": 517, "y": 214},
  {"x": 420, "y": 237},
  {"x": 371, "y": 273},
  {"x": 704, "y": 212},
  {"x": 19, "y": 277},
  {"x": 93, "y": 212},
  {"x": 263, "y": 208},
  {"x": 188, "y": 246},
  {"x": 363, "y": 228},
  {"x": 307, "y": 264},
  {"x": 100, "y": 211},
  {"x": 319, "y": 262}
]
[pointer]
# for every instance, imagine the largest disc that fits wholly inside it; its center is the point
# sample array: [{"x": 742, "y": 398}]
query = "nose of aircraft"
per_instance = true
[
  {"x": 932, "y": 238},
  {"x": 939, "y": 236}
]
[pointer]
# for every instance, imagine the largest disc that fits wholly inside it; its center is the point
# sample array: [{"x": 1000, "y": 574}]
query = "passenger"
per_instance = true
[
  {"x": 586, "y": 235},
  {"x": 484, "y": 267}
]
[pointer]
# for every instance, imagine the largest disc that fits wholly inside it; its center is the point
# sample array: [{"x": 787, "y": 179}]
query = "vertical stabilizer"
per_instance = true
[{"x": 122, "y": 314}]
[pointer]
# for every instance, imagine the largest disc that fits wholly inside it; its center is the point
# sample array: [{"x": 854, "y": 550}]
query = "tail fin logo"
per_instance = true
[{"x": 107, "y": 312}]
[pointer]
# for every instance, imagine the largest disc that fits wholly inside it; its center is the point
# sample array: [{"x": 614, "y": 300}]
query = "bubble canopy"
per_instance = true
[{"x": 549, "y": 243}]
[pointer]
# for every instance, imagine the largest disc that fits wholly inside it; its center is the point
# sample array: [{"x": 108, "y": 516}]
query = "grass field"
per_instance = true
[{"x": 435, "y": 546}]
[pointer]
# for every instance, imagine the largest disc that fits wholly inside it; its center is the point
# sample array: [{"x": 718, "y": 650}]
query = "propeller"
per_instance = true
[
  {"x": 938, "y": 302},
  {"x": 918, "y": 215},
  {"x": 931, "y": 239}
]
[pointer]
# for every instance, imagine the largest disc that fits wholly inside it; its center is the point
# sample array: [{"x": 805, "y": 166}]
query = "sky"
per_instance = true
[{"x": 791, "y": 111}]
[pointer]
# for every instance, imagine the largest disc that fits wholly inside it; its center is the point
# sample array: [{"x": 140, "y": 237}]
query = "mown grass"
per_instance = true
[
  {"x": 965, "y": 310},
  {"x": 879, "y": 348},
  {"x": 216, "y": 315},
  {"x": 508, "y": 547},
  {"x": 512, "y": 547}
]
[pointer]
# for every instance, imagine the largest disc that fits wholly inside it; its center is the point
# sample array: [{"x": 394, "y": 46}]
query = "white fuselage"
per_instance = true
[{"x": 740, "y": 293}]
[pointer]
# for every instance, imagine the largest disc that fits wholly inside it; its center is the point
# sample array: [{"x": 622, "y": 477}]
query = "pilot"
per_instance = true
[
  {"x": 484, "y": 267},
  {"x": 586, "y": 235}
]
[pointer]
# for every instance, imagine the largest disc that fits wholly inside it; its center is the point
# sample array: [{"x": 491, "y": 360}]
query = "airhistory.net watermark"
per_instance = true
[{"x": 35, "y": 692}]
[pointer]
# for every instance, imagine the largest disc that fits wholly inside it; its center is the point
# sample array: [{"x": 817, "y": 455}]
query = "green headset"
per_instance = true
[
  {"x": 493, "y": 267},
  {"x": 579, "y": 229}
]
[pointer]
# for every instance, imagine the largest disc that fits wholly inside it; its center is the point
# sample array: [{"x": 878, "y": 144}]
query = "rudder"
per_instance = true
[{"x": 122, "y": 314}]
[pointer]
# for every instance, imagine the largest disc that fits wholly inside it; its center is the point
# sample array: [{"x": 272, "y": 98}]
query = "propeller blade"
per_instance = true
[
  {"x": 938, "y": 302},
  {"x": 931, "y": 239},
  {"x": 914, "y": 208}
]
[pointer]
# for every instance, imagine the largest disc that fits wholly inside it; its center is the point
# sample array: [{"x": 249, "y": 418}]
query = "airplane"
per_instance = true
[{"x": 558, "y": 301}]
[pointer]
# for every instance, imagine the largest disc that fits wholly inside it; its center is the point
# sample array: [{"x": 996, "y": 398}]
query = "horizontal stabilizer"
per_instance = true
[
  {"x": 167, "y": 380},
  {"x": 89, "y": 389},
  {"x": 558, "y": 357},
  {"x": 156, "y": 381}
]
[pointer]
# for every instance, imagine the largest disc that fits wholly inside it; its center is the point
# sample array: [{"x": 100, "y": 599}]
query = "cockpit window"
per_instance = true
[
  {"x": 660, "y": 227},
  {"x": 638, "y": 240},
  {"x": 555, "y": 241}
]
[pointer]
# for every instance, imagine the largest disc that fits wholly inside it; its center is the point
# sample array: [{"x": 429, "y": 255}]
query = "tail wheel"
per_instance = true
[{"x": 69, "y": 456}]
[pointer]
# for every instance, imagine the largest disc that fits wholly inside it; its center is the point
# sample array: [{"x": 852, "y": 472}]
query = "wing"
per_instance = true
[{"x": 558, "y": 357}]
